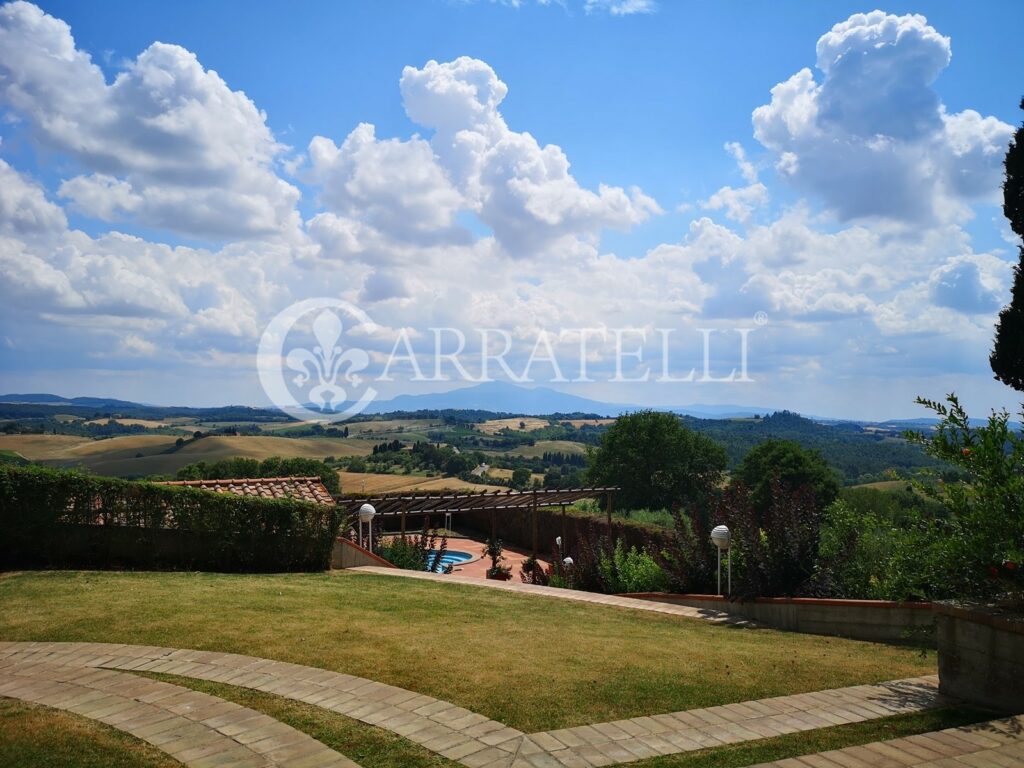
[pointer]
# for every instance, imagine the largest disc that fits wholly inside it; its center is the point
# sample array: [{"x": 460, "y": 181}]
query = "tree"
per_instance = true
[
  {"x": 520, "y": 478},
  {"x": 1007, "y": 358},
  {"x": 790, "y": 464},
  {"x": 657, "y": 462}
]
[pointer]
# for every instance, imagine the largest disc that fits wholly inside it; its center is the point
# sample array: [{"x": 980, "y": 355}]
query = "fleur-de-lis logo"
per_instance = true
[
  {"x": 325, "y": 372},
  {"x": 325, "y": 363}
]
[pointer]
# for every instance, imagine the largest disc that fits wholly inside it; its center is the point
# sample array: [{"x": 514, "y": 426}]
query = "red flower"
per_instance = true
[
  {"x": 1010, "y": 565},
  {"x": 966, "y": 451},
  {"x": 993, "y": 572}
]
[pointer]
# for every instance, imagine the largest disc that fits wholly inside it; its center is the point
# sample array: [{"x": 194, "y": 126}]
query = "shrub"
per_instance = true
[
  {"x": 689, "y": 559},
  {"x": 414, "y": 553},
  {"x": 66, "y": 519},
  {"x": 977, "y": 551},
  {"x": 775, "y": 550},
  {"x": 631, "y": 571}
]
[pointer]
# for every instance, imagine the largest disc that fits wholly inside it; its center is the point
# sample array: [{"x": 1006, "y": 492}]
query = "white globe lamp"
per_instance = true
[
  {"x": 366, "y": 515},
  {"x": 721, "y": 537}
]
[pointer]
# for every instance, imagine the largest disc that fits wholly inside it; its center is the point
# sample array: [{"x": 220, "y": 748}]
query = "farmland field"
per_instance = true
[
  {"x": 364, "y": 482},
  {"x": 118, "y": 456},
  {"x": 545, "y": 446},
  {"x": 529, "y": 423},
  {"x": 148, "y": 423}
]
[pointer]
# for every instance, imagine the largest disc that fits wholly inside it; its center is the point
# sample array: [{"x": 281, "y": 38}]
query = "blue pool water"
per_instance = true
[{"x": 451, "y": 557}]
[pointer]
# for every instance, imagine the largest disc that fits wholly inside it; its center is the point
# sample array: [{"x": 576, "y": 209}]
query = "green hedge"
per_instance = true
[{"x": 53, "y": 518}]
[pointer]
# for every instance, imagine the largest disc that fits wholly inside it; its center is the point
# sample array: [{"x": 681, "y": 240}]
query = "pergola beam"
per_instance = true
[{"x": 393, "y": 504}]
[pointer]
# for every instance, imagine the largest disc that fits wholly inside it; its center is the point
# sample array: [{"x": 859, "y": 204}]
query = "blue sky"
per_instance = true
[{"x": 873, "y": 294}]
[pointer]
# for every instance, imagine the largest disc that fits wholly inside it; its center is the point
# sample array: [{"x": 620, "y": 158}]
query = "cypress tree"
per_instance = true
[{"x": 1007, "y": 358}]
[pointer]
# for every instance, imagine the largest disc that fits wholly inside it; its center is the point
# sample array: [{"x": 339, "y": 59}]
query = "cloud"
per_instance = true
[
  {"x": 872, "y": 140},
  {"x": 970, "y": 285},
  {"x": 523, "y": 192},
  {"x": 24, "y": 209},
  {"x": 167, "y": 144},
  {"x": 473, "y": 223},
  {"x": 620, "y": 7},
  {"x": 389, "y": 184},
  {"x": 738, "y": 204}
]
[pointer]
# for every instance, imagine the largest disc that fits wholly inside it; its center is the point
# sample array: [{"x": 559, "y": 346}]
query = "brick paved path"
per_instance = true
[
  {"x": 996, "y": 744},
  {"x": 196, "y": 729},
  {"x": 716, "y": 617},
  {"x": 474, "y": 740},
  {"x": 640, "y": 737}
]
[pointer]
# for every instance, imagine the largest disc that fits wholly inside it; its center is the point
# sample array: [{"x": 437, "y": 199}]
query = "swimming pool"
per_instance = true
[{"x": 451, "y": 557}]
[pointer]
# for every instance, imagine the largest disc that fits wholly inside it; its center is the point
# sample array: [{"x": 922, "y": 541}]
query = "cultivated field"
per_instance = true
[
  {"x": 589, "y": 422},
  {"x": 148, "y": 423},
  {"x": 506, "y": 474},
  {"x": 885, "y": 485},
  {"x": 119, "y": 456},
  {"x": 529, "y": 423},
  {"x": 390, "y": 425},
  {"x": 363, "y": 482},
  {"x": 545, "y": 446}
]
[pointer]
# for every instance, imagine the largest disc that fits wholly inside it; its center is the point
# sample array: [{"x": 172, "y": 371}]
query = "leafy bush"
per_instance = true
[
  {"x": 978, "y": 551},
  {"x": 414, "y": 553},
  {"x": 775, "y": 550},
  {"x": 631, "y": 571},
  {"x": 67, "y": 519},
  {"x": 689, "y": 559}
]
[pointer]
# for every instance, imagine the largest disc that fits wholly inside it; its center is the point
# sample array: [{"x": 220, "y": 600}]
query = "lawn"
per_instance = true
[
  {"x": 530, "y": 662},
  {"x": 39, "y": 737}
]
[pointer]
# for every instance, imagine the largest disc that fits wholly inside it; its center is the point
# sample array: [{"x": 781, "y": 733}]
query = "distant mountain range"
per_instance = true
[
  {"x": 501, "y": 396},
  {"x": 84, "y": 402},
  {"x": 494, "y": 396}
]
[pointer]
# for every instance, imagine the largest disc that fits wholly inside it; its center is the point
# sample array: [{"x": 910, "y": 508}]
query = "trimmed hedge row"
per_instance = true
[{"x": 53, "y": 518}]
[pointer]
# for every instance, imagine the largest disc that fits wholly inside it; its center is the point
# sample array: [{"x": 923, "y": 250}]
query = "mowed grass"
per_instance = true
[
  {"x": 33, "y": 736},
  {"x": 368, "y": 745},
  {"x": 531, "y": 662}
]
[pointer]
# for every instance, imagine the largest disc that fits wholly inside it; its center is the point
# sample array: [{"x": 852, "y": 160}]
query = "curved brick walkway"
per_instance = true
[
  {"x": 716, "y": 617},
  {"x": 196, "y": 729},
  {"x": 995, "y": 744},
  {"x": 465, "y": 736},
  {"x": 441, "y": 727},
  {"x": 640, "y": 737}
]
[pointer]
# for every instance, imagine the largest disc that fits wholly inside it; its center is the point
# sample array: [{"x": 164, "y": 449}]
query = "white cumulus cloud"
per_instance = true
[
  {"x": 872, "y": 139},
  {"x": 167, "y": 144}
]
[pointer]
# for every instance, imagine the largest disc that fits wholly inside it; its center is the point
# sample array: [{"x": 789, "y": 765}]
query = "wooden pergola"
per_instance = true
[{"x": 402, "y": 505}]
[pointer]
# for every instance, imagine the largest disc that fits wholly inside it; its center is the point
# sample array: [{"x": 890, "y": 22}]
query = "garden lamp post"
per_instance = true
[
  {"x": 366, "y": 515},
  {"x": 722, "y": 539}
]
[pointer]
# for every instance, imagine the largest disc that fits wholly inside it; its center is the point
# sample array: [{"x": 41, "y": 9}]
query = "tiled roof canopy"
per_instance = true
[{"x": 309, "y": 489}]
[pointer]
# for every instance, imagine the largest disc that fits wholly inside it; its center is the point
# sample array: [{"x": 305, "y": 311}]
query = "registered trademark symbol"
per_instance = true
[{"x": 761, "y": 318}]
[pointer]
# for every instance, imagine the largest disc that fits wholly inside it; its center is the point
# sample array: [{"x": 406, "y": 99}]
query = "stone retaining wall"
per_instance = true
[
  {"x": 348, "y": 554},
  {"x": 876, "y": 620},
  {"x": 981, "y": 656}
]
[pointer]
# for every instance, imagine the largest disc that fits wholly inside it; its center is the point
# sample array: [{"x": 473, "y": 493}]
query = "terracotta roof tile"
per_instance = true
[{"x": 309, "y": 489}]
